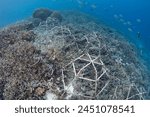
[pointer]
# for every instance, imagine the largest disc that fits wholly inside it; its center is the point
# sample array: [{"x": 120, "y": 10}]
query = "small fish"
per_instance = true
[
  {"x": 138, "y": 35},
  {"x": 124, "y": 23},
  {"x": 120, "y": 15},
  {"x": 93, "y": 6},
  {"x": 129, "y": 23},
  {"x": 138, "y": 20},
  {"x": 122, "y": 20},
  {"x": 116, "y": 16},
  {"x": 82, "y": 3},
  {"x": 130, "y": 29},
  {"x": 111, "y": 6}
]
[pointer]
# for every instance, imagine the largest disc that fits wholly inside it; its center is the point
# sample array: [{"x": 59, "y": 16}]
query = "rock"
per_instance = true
[
  {"x": 56, "y": 15},
  {"x": 42, "y": 13}
]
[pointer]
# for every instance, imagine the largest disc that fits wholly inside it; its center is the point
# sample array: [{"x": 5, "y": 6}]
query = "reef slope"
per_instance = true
[{"x": 69, "y": 55}]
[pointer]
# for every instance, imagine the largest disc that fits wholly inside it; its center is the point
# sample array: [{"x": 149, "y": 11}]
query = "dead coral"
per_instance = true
[
  {"x": 76, "y": 58},
  {"x": 27, "y": 35},
  {"x": 21, "y": 66},
  {"x": 15, "y": 33}
]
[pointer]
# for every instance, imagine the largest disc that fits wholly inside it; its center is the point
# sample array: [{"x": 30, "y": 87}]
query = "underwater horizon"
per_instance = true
[
  {"x": 129, "y": 17},
  {"x": 75, "y": 49}
]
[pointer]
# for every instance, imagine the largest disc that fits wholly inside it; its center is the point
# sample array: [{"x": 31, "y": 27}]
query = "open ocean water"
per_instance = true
[{"x": 128, "y": 21}]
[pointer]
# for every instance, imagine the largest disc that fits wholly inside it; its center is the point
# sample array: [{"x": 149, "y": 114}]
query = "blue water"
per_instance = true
[{"x": 127, "y": 16}]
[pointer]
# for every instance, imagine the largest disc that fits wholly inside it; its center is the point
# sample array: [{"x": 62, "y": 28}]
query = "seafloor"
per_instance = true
[{"x": 69, "y": 55}]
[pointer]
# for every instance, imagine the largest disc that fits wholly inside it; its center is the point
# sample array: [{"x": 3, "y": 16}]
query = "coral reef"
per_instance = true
[
  {"x": 42, "y": 13},
  {"x": 14, "y": 33},
  {"x": 24, "y": 71},
  {"x": 56, "y": 15},
  {"x": 77, "y": 58}
]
